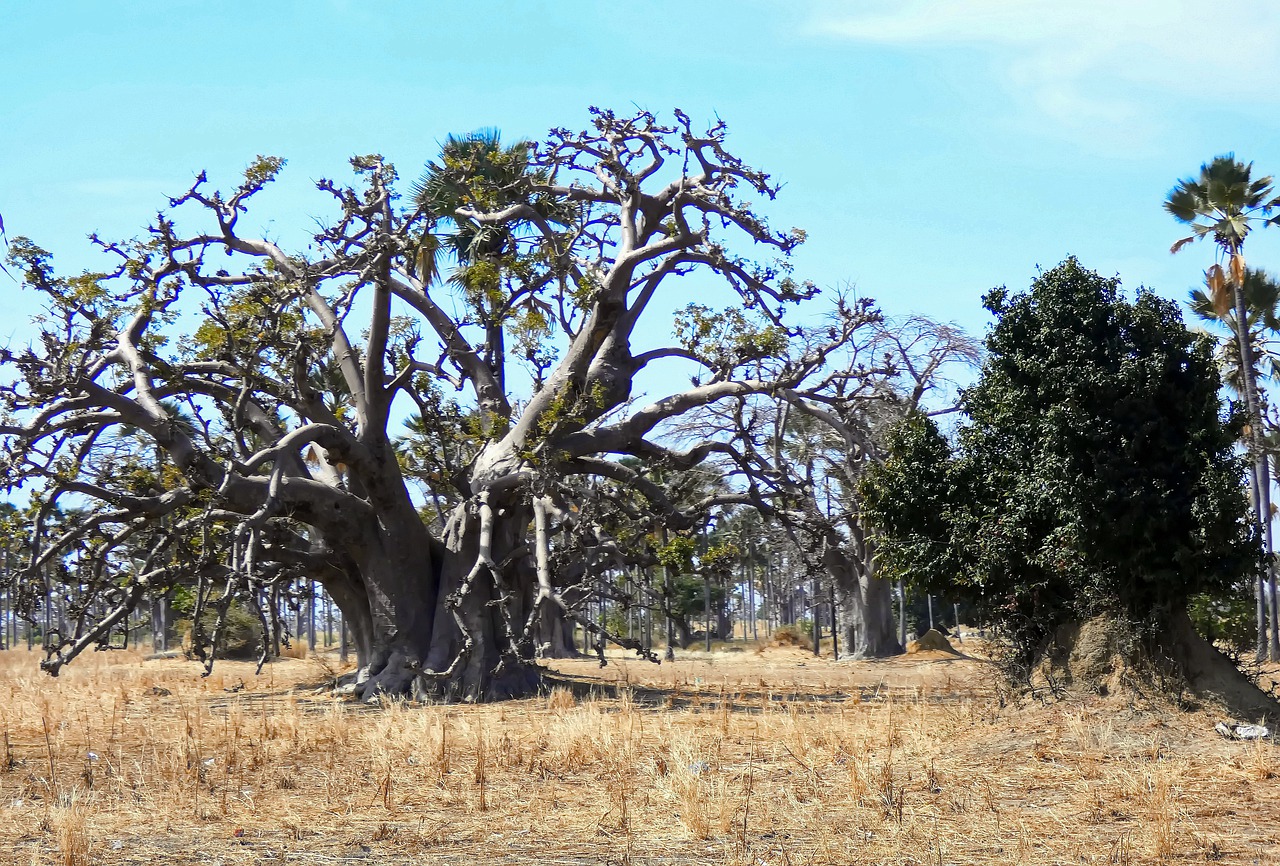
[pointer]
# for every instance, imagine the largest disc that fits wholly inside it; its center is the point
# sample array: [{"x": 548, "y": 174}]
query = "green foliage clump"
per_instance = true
[
  {"x": 724, "y": 340},
  {"x": 687, "y": 573},
  {"x": 1226, "y": 620},
  {"x": 677, "y": 554},
  {"x": 1096, "y": 472}
]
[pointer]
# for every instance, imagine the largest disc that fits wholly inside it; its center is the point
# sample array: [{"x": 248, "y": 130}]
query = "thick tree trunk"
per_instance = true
[
  {"x": 554, "y": 633},
  {"x": 684, "y": 636},
  {"x": 724, "y": 621},
  {"x": 390, "y": 629},
  {"x": 553, "y": 628},
  {"x": 478, "y": 615},
  {"x": 865, "y": 605},
  {"x": 433, "y": 622}
]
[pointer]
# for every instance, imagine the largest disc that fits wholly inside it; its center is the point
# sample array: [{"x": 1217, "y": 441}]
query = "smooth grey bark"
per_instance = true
[
  {"x": 865, "y": 606},
  {"x": 429, "y": 618},
  {"x": 553, "y": 630}
]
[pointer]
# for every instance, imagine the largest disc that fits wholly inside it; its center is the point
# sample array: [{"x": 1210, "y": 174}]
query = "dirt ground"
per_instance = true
[{"x": 770, "y": 757}]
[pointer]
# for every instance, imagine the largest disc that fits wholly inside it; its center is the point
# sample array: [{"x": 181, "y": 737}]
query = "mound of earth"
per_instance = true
[
  {"x": 1102, "y": 656},
  {"x": 789, "y": 636},
  {"x": 932, "y": 640}
]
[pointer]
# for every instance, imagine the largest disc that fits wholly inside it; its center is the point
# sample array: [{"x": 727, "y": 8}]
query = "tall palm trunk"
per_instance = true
[
  {"x": 1261, "y": 486},
  {"x": 1269, "y": 567}
]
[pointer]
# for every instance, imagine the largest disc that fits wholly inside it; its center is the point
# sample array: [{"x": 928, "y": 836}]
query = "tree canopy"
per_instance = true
[
  {"x": 1095, "y": 471},
  {"x": 222, "y": 409}
]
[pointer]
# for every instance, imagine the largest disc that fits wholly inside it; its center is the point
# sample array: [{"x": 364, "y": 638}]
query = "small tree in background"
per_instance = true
[{"x": 1096, "y": 473}]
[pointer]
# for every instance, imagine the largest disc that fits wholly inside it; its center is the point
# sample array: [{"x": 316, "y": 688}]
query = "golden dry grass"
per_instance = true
[{"x": 738, "y": 758}]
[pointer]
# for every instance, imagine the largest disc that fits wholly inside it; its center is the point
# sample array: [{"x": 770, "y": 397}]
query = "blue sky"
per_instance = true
[{"x": 931, "y": 149}]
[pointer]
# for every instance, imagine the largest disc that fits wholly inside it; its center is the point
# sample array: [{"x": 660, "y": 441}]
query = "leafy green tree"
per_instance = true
[
  {"x": 1095, "y": 472},
  {"x": 1225, "y": 202},
  {"x": 694, "y": 577}
]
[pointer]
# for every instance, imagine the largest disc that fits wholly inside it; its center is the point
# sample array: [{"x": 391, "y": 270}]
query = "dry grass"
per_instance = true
[{"x": 772, "y": 758}]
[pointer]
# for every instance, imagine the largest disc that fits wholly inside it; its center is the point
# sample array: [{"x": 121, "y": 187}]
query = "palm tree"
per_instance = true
[
  {"x": 477, "y": 172},
  {"x": 1262, "y": 301},
  {"x": 1224, "y": 203}
]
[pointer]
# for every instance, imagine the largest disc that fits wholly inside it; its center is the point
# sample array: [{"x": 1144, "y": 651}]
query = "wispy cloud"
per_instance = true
[{"x": 1086, "y": 63}]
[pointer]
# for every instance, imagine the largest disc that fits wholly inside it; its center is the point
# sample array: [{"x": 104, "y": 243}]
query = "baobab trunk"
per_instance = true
[
  {"x": 481, "y": 607},
  {"x": 684, "y": 634},
  {"x": 554, "y": 633},
  {"x": 438, "y": 620},
  {"x": 865, "y": 604},
  {"x": 553, "y": 629}
]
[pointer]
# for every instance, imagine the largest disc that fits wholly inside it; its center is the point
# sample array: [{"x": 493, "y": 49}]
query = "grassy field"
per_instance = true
[{"x": 758, "y": 758}]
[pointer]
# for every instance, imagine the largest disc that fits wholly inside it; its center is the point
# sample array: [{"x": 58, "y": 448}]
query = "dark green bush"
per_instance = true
[{"x": 1096, "y": 471}]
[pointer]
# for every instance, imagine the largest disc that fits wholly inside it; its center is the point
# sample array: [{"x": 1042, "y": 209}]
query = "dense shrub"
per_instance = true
[{"x": 1096, "y": 471}]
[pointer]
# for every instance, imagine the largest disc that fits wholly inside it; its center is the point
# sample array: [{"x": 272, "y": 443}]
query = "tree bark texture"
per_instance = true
[{"x": 865, "y": 608}]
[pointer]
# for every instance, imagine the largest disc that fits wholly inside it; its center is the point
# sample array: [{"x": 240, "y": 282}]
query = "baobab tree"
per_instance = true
[
  {"x": 291, "y": 367},
  {"x": 799, "y": 456}
]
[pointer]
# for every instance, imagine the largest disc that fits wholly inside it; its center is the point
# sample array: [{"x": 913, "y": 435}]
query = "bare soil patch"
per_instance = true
[
  {"x": 774, "y": 757},
  {"x": 1101, "y": 656}
]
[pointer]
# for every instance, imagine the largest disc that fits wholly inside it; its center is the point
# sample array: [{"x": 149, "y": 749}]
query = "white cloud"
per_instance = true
[{"x": 1086, "y": 63}]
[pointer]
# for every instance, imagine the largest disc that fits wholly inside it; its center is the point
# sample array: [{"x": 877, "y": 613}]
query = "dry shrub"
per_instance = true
[
  {"x": 560, "y": 699},
  {"x": 790, "y": 635},
  {"x": 1261, "y": 760},
  {"x": 71, "y": 835},
  {"x": 1162, "y": 814},
  {"x": 687, "y": 774}
]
